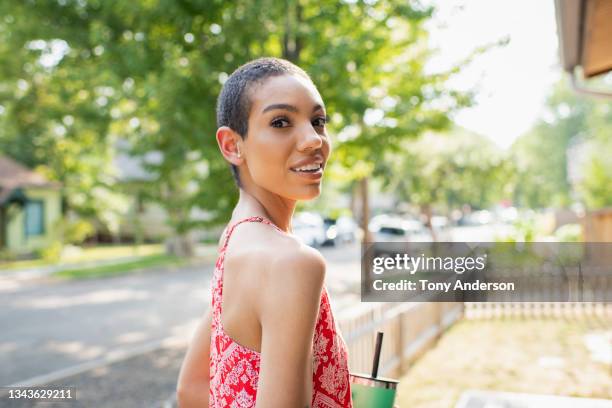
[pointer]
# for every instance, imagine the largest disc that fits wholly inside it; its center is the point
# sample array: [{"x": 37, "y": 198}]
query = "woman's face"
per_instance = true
[{"x": 287, "y": 145}]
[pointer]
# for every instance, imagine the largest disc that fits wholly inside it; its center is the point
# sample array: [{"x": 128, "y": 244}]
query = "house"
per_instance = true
[
  {"x": 585, "y": 48},
  {"x": 584, "y": 32},
  {"x": 146, "y": 217},
  {"x": 30, "y": 206}
]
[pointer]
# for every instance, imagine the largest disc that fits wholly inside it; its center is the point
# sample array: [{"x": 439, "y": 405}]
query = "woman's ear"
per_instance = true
[{"x": 229, "y": 143}]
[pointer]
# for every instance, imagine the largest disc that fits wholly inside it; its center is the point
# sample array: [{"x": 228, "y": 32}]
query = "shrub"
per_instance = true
[
  {"x": 6, "y": 255},
  {"x": 75, "y": 232},
  {"x": 52, "y": 252},
  {"x": 569, "y": 233}
]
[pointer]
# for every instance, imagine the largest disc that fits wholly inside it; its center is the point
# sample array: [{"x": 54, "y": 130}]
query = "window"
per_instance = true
[{"x": 34, "y": 218}]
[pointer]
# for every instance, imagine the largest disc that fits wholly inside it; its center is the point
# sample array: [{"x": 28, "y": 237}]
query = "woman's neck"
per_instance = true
[{"x": 277, "y": 209}]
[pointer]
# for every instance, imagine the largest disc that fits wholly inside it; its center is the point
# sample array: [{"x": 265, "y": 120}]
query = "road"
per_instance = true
[
  {"x": 52, "y": 328},
  {"x": 120, "y": 340}
]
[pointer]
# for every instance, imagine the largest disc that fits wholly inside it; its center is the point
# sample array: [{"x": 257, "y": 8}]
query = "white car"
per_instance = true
[
  {"x": 309, "y": 228},
  {"x": 388, "y": 228},
  {"x": 340, "y": 231}
]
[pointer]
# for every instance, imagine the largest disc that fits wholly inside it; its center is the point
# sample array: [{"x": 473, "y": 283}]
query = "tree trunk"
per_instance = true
[
  {"x": 365, "y": 210},
  {"x": 367, "y": 255},
  {"x": 292, "y": 40},
  {"x": 353, "y": 202},
  {"x": 3, "y": 227},
  {"x": 426, "y": 210},
  {"x": 180, "y": 245}
]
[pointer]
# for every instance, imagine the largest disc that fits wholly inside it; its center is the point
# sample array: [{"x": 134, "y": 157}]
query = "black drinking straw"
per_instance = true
[{"x": 379, "y": 337}]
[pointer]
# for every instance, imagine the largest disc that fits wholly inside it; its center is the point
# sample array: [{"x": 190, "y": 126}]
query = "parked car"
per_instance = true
[
  {"x": 476, "y": 218},
  {"x": 417, "y": 232},
  {"x": 390, "y": 228},
  {"x": 439, "y": 222},
  {"x": 340, "y": 231},
  {"x": 309, "y": 228},
  {"x": 331, "y": 232}
]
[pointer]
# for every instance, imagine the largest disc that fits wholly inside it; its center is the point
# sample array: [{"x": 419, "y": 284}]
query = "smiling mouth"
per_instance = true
[{"x": 311, "y": 168}]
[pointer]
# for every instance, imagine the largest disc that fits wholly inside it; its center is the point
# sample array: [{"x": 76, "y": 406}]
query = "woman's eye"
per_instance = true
[
  {"x": 319, "y": 122},
  {"x": 279, "y": 123}
]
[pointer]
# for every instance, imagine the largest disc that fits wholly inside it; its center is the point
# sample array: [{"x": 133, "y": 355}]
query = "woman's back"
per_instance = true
[{"x": 235, "y": 368}]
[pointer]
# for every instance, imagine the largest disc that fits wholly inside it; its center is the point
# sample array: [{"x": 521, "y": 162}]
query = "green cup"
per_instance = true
[{"x": 369, "y": 392}]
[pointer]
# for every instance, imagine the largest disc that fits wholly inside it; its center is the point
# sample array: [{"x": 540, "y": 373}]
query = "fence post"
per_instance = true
[{"x": 399, "y": 344}]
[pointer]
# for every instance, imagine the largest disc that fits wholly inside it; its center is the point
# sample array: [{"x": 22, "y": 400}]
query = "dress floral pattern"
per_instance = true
[{"x": 234, "y": 369}]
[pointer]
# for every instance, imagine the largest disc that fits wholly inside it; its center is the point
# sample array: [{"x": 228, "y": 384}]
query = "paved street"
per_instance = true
[
  {"x": 50, "y": 326},
  {"x": 53, "y": 326},
  {"x": 121, "y": 340},
  {"x": 145, "y": 380}
]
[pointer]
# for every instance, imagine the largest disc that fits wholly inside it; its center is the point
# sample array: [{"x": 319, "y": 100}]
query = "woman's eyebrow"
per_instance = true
[
  {"x": 282, "y": 106},
  {"x": 290, "y": 108},
  {"x": 318, "y": 107}
]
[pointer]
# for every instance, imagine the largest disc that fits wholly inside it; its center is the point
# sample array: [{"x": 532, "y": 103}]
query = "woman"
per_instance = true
[{"x": 269, "y": 338}]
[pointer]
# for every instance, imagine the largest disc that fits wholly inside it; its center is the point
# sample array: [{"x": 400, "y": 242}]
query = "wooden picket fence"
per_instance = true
[
  {"x": 409, "y": 330},
  {"x": 597, "y": 225},
  {"x": 491, "y": 310}
]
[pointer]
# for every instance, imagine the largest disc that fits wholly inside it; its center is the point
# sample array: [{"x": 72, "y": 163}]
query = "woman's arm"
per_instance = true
[
  {"x": 288, "y": 314},
  {"x": 194, "y": 378}
]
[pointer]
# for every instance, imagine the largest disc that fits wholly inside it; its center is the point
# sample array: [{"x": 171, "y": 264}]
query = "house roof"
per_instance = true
[
  {"x": 14, "y": 175},
  {"x": 584, "y": 35}
]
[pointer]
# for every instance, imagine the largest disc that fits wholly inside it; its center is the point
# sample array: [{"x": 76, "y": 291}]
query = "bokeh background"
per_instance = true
[{"x": 450, "y": 120}]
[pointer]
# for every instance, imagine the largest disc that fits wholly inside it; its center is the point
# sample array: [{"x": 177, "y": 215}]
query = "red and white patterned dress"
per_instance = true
[{"x": 234, "y": 369}]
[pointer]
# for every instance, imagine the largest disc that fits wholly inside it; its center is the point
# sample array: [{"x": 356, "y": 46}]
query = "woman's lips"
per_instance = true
[{"x": 310, "y": 175}]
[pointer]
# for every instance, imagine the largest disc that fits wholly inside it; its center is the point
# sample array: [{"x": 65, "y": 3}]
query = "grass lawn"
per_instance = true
[
  {"x": 542, "y": 356},
  {"x": 150, "y": 261},
  {"x": 101, "y": 252}
]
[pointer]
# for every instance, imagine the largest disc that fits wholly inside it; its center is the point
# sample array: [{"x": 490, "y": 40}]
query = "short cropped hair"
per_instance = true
[{"x": 234, "y": 101}]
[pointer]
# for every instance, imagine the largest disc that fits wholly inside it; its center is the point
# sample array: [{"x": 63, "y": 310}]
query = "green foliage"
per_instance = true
[
  {"x": 51, "y": 253},
  {"x": 523, "y": 230},
  {"x": 107, "y": 270},
  {"x": 6, "y": 255},
  {"x": 542, "y": 155},
  {"x": 449, "y": 170},
  {"x": 569, "y": 233},
  {"x": 75, "y": 232},
  {"x": 148, "y": 72},
  {"x": 595, "y": 187}
]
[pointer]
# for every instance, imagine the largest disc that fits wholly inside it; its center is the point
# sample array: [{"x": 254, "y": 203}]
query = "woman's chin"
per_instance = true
[{"x": 310, "y": 193}]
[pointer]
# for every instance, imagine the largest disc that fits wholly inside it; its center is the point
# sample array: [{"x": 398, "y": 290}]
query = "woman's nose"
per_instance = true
[{"x": 310, "y": 139}]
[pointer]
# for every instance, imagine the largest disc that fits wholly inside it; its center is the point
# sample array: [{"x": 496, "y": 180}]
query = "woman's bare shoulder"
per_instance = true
[
  {"x": 291, "y": 286},
  {"x": 261, "y": 238},
  {"x": 275, "y": 261},
  {"x": 270, "y": 251},
  {"x": 298, "y": 268}
]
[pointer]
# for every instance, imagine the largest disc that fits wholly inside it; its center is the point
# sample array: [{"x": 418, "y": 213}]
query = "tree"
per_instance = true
[
  {"x": 595, "y": 185},
  {"x": 161, "y": 65},
  {"x": 56, "y": 118},
  {"x": 445, "y": 171},
  {"x": 542, "y": 154}
]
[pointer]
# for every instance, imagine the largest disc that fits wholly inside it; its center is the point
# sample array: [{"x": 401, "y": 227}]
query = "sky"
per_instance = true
[{"x": 512, "y": 81}]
